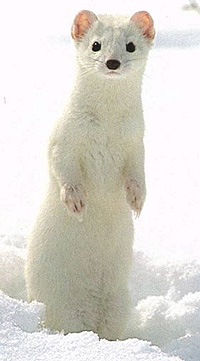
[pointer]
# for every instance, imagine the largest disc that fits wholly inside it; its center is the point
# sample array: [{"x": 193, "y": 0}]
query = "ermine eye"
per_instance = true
[
  {"x": 96, "y": 46},
  {"x": 130, "y": 47}
]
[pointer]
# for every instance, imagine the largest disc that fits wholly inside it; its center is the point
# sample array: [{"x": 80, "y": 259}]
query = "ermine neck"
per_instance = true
[{"x": 108, "y": 95}]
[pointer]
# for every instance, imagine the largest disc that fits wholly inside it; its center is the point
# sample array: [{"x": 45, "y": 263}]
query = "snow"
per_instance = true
[
  {"x": 20, "y": 345},
  {"x": 165, "y": 318},
  {"x": 36, "y": 75}
]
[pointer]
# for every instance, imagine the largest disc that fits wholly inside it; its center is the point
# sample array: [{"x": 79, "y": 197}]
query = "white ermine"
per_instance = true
[{"x": 80, "y": 250}]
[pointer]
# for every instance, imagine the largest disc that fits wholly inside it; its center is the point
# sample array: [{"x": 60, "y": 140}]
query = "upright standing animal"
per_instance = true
[{"x": 80, "y": 250}]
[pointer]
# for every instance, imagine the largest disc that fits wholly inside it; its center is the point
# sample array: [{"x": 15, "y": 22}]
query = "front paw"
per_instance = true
[
  {"x": 74, "y": 198},
  {"x": 135, "y": 195}
]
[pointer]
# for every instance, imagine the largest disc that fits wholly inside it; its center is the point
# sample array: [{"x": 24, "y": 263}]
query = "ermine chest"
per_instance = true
[{"x": 103, "y": 162}]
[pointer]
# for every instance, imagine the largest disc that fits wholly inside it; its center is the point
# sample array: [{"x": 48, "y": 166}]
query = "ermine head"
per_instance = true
[{"x": 112, "y": 46}]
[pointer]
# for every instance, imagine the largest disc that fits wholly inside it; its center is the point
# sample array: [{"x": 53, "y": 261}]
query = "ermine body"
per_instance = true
[{"x": 80, "y": 250}]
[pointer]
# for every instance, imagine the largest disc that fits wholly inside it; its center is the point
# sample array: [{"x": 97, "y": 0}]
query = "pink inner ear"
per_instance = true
[
  {"x": 144, "y": 22},
  {"x": 82, "y": 22}
]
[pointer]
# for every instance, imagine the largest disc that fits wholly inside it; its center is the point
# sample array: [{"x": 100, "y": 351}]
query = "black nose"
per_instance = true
[{"x": 113, "y": 64}]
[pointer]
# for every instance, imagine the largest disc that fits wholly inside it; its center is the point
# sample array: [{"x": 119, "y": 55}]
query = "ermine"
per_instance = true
[{"x": 80, "y": 250}]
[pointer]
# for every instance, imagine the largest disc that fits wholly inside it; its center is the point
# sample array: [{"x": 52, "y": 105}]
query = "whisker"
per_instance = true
[
  {"x": 86, "y": 71},
  {"x": 135, "y": 59},
  {"x": 97, "y": 60}
]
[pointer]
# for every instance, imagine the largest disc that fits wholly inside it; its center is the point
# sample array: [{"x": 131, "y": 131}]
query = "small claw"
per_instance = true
[
  {"x": 134, "y": 197},
  {"x": 71, "y": 196},
  {"x": 137, "y": 214}
]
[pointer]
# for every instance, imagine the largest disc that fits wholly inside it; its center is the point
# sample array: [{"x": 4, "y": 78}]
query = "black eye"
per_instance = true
[
  {"x": 96, "y": 46},
  {"x": 130, "y": 47}
]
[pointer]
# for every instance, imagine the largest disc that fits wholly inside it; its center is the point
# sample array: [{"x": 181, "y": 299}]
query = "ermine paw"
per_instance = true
[
  {"x": 135, "y": 195},
  {"x": 74, "y": 198}
]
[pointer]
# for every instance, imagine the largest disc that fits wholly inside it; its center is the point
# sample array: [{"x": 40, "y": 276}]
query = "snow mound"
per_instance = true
[
  {"x": 12, "y": 258},
  {"x": 165, "y": 313},
  {"x": 161, "y": 319},
  {"x": 22, "y": 340},
  {"x": 20, "y": 315},
  {"x": 166, "y": 300}
]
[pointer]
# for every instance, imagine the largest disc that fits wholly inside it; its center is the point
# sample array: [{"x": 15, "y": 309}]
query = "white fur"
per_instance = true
[{"x": 80, "y": 250}]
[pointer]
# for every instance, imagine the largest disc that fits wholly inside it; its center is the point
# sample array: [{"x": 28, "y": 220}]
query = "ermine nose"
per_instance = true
[{"x": 113, "y": 64}]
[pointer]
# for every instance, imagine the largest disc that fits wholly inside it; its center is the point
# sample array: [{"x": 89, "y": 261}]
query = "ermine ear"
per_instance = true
[
  {"x": 82, "y": 22},
  {"x": 144, "y": 22}
]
